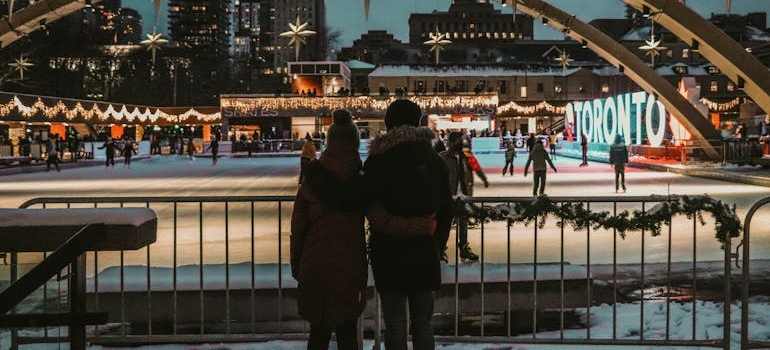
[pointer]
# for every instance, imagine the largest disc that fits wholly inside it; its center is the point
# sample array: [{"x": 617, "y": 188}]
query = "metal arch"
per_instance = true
[
  {"x": 721, "y": 50},
  {"x": 636, "y": 69},
  {"x": 28, "y": 19}
]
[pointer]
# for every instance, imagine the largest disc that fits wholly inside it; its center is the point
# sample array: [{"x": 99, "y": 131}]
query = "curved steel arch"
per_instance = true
[
  {"x": 636, "y": 69},
  {"x": 716, "y": 46},
  {"x": 28, "y": 19}
]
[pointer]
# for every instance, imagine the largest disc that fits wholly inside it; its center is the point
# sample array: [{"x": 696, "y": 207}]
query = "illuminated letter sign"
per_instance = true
[{"x": 634, "y": 116}]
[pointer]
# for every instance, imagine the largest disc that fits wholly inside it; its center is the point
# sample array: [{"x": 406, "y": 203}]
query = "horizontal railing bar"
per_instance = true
[
  {"x": 568, "y": 341},
  {"x": 231, "y": 199},
  {"x": 164, "y": 199}
]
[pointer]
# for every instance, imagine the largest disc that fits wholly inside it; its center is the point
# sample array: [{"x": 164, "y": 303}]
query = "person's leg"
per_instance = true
[
  {"x": 623, "y": 178},
  {"x": 394, "y": 314},
  {"x": 542, "y": 182},
  {"x": 534, "y": 183},
  {"x": 347, "y": 335},
  {"x": 617, "y": 178},
  {"x": 319, "y": 337},
  {"x": 420, "y": 315}
]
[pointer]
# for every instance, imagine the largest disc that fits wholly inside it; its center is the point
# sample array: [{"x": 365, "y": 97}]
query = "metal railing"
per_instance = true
[
  {"x": 533, "y": 284},
  {"x": 746, "y": 341}
]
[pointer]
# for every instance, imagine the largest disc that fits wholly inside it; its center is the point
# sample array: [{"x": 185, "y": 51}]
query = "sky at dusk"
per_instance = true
[{"x": 347, "y": 16}]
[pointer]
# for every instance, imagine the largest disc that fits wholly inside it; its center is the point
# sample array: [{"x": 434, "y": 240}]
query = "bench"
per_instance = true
[{"x": 68, "y": 234}]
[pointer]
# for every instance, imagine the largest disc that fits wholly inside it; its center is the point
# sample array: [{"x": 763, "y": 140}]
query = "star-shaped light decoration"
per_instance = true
[
  {"x": 153, "y": 42},
  {"x": 728, "y": 7},
  {"x": 366, "y": 9},
  {"x": 653, "y": 48},
  {"x": 564, "y": 59},
  {"x": 297, "y": 34},
  {"x": 21, "y": 64},
  {"x": 437, "y": 42}
]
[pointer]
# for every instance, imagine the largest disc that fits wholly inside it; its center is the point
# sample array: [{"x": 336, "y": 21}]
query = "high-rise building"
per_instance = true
[
  {"x": 130, "y": 32},
  {"x": 312, "y": 12},
  {"x": 253, "y": 29},
  {"x": 201, "y": 25}
]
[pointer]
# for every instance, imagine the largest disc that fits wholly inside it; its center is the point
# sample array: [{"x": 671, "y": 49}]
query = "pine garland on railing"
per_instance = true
[{"x": 575, "y": 214}]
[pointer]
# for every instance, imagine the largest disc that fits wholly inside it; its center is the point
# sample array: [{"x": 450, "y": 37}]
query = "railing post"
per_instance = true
[{"x": 726, "y": 329}]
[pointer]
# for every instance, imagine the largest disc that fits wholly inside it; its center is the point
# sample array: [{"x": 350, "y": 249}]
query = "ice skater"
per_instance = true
[
  {"x": 538, "y": 157},
  {"x": 214, "y": 147},
  {"x": 618, "y": 160}
]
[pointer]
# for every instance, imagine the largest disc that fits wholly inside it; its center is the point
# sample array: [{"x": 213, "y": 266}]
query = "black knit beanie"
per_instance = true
[
  {"x": 343, "y": 130},
  {"x": 402, "y": 112}
]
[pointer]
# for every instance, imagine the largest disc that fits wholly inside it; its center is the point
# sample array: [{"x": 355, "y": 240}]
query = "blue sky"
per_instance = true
[{"x": 393, "y": 15}]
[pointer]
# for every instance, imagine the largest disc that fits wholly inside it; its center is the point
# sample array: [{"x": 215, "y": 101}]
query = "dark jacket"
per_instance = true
[
  {"x": 328, "y": 245},
  {"x": 409, "y": 179},
  {"x": 618, "y": 154},
  {"x": 538, "y": 157}
]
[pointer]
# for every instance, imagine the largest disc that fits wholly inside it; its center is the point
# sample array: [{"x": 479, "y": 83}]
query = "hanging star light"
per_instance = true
[
  {"x": 728, "y": 7},
  {"x": 653, "y": 48},
  {"x": 437, "y": 42},
  {"x": 21, "y": 64},
  {"x": 564, "y": 59},
  {"x": 153, "y": 42},
  {"x": 297, "y": 34},
  {"x": 366, "y": 9}
]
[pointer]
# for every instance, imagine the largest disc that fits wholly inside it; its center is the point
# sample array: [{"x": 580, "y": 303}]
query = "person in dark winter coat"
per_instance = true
[
  {"x": 408, "y": 178},
  {"x": 328, "y": 248},
  {"x": 214, "y": 147},
  {"x": 510, "y": 154},
  {"x": 538, "y": 157},
  {"x": 584, "y": 148},
  {"x": 618, "y": 160},
  {"x": 128, "y": 151},
  {"x": 109, "y": 152},
  {"x": 460, "y": 183},
  {"x": 328, "y": 245}
]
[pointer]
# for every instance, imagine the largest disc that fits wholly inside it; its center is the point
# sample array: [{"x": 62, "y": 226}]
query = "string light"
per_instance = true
[
  {"x": 721, "y": 107},
  {"x": 266, "y": 105},
  {"x": 513, "y": 107},
  {"x": 117, "y": 112}
]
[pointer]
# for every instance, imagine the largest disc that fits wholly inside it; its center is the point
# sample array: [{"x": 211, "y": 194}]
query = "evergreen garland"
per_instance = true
[{"x": 727, "y": 223}]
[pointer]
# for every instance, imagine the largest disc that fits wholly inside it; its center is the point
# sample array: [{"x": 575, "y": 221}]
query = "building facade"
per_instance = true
[{"x": 201, "y": 25}]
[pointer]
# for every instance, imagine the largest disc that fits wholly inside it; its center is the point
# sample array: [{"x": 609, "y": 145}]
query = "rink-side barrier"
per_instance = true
[{"x": 219, "y": 272}]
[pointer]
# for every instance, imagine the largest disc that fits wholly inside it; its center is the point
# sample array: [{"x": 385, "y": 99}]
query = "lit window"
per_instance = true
[
  {"x": 714, "y": 86},
  {"x": 523, "y": 91},
  {"x": 605, "y": 88},
  {"x": 685, "y": 53},
  {"x": 730, "y": 86},
  {"x": 557, "y": 89}
]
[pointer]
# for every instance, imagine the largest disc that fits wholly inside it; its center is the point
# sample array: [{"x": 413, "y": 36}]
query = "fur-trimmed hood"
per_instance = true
[{"x": 400, "y": 135}]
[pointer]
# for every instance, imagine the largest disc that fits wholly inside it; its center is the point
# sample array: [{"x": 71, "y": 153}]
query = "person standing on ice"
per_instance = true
[
  {"x": 128, "y": 151},
  {"x": 618, "y": 160},
  {"x": 191, "y": 149},
  {"x": 214, "y": 147},
  {"x": 109, "y": 152},
  {"x": 538, "y": 157},
  {"x": 405, "y": 175}
]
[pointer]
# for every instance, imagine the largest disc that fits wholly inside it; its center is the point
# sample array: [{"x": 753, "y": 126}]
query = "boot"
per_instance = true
[{"x": 467, "y": 255}]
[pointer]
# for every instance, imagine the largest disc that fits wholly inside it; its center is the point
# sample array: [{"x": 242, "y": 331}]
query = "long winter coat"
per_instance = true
[
  {"x": 328, "y": 249},
  {"x": 409, "y": 179}
]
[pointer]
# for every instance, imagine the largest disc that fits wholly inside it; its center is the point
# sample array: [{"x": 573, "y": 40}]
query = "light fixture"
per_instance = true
[
  {"x": 545, "y": 21},
  {"x": 565, "y": 31},
  {"x": 695, "y": 46},
  {"x": 621, "y": 68},
  {"x": 741, "y": 83},
  {"x": 88, "y": 3},
  {"x": 584, "y": 43},
  {"x": 646, "y": 12},
  {"x": 43, "y": 25}
]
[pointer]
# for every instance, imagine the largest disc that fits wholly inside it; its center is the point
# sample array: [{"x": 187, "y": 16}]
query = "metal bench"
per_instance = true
[{"x": 68, "y": 234}]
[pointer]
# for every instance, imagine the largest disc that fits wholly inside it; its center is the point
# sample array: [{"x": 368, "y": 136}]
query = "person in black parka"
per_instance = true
[{"x": 407, "y": 177}]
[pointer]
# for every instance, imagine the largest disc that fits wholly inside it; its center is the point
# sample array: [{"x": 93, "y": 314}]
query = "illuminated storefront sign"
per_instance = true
[{"x": 635, "y": 116}]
